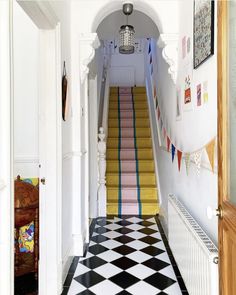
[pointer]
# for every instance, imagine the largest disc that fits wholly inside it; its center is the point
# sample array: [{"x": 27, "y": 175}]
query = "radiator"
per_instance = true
[{"x": 195, "y": 254}]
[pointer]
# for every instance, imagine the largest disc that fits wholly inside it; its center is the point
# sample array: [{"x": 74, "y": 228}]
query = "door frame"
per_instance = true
[
  {"x": 50, "y": 150},
  {"x": 6, "y": 153}
]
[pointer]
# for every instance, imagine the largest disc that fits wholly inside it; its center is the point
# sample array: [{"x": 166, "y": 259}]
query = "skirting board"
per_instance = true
[{"x": 66, "y": 263}]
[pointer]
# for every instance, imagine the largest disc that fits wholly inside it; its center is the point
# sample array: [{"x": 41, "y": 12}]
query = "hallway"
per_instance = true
[{"x": 128, "y": 255}]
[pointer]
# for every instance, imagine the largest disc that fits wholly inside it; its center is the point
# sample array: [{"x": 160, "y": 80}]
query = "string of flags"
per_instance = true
[{"x": 195, "y": 156}]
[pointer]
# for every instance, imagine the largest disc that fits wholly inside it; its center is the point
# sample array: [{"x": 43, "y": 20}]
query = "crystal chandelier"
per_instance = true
[{"x": 127, "y": 32}]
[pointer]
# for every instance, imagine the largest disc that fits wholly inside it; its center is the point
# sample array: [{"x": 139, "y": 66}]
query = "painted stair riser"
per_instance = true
[
  {"x": 128, "y": 98},
  {"x": 129, "y": 154},
  {"x": 131, "y": 193},
  {"x": 128, "y": 106},
  {"x": 128, "y": 123},
  {"x": 129, "y": 143},
  {"x": 135, "y": 90},
  {"x": 128, "y": 114},
  {"x": 130, "y": 166},
  {"x": 131, "y": 179},
  {"x": 128, "y": 132},
  {"x": 131, "y": 209}
]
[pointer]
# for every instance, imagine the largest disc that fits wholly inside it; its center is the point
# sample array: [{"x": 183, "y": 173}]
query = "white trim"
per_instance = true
[
  {"x": 26, "y": 159},
  {"x": 6, "y": 152},
  {"x": 78, "y": 244},
  {"x": 66, "y": 262},
  {"x": 70, "y": 155}
]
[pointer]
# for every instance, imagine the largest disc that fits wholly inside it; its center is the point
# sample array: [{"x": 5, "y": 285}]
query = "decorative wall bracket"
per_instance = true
[
  {"x": 87, "y": 45},
  {"x": 169, "y": 43}
]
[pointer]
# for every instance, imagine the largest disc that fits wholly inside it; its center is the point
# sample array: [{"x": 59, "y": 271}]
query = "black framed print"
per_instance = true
[{"x": 203, "y": 31}]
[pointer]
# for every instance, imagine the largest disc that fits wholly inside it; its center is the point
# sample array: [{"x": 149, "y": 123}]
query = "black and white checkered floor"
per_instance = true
[{"x": 126, "y": 256}]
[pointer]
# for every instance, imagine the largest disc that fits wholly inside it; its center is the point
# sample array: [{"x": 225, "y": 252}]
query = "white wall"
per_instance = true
[
  {"x": 25, "y": 52},
  {"x": 195, "y": 129},
  {"x": 127, "y": 70}
]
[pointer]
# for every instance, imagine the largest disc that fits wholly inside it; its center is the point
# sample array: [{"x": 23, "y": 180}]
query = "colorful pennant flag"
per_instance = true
[
  {"x": 197, "y": 159},
  {"x": 172, "y": 152},
  {"x": 187, "y": 162},
  {"x": 158, "y": 113},
  {"x": 164, "y": 133},
  {"x": 161, "y": 124},
  {"x": 210, "y": 148},
  {"x": 149, "y": 47},
  {"x": 154, "y": 91},
  {"x": 168, "y": 143},
  {"x": 179, "y": 156},
  {"x": 150, "y": 59}
]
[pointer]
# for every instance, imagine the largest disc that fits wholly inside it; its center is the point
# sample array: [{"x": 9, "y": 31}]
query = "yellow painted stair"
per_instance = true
[{"x": 130, "y": 176}]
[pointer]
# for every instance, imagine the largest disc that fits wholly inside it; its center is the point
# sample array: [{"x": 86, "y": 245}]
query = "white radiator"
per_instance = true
[{"x": 195, "y": 254}]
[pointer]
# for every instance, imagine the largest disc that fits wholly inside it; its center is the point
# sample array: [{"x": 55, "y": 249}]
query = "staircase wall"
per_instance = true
[{"x": 196, "y": 128}]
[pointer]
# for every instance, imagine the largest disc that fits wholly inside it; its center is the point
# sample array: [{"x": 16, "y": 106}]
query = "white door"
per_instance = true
[
  {"x": 6, "y": 156},
  {"x": 50, "y": 159}
]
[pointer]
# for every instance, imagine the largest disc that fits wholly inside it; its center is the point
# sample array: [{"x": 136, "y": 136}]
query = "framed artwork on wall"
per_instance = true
[{"x": 203, "y": 31}]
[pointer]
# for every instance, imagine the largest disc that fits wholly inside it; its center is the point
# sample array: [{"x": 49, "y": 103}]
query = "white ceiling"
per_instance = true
[{"x": 143, "y": 25}]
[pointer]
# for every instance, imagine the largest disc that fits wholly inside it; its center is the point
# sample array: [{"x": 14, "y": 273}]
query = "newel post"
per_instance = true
[{"x": 102, "y": 190}]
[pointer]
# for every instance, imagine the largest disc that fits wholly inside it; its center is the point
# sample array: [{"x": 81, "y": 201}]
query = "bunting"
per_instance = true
[
  {"x": 179, "y": 156},
  {"x": 172, "y": 152},
  {"x": 158, "y": 113},
  {"x": 187, "y": 162},
  {"x": 197, "y": 156},
  {"x": 210, "y": 148},
  {"x": 168, "y": 143},
  {"x": 164, "y": 133}
]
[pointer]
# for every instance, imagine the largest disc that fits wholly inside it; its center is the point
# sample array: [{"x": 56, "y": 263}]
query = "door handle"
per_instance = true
[
  {"x": 43, "y": 180},
  {"x": 217, "y": 212}
]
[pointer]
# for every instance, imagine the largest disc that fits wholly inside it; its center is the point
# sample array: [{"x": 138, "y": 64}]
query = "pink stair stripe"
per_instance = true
[
  {"x": 128, "y": 179},
  {"x": 128, "y": 166},
  {"x": 127, "y": 123},
  {"x": 127, "y": 143},
  {"x": 127, "y": 132},
  {"x": 128, "y": 209},
  {"x": 129, "y": 194},
  {"x": 127, "y": 154},
  {"x": 124, "y": 90}
]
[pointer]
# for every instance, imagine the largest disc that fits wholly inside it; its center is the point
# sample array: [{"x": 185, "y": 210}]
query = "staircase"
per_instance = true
[{"x": 130, "y": 176}]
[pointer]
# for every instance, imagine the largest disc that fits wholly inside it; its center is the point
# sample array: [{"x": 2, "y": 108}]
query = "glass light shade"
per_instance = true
[{"x": 126, "y": 39}]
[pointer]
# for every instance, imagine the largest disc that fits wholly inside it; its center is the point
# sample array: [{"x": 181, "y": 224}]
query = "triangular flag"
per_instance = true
[
  {"x": 172, "y": 152},
  {"x": 150, "y": 59},
  {"x": 158, "y": 113},
  {"x": 149, "y": 47},
  {"x": 210, "y": 148},
  {"x": 151, "y": 69},
  {"x": 155, "y": 91},
  {"x": 197, "y": 159},
  {"x": 179, "y": 156},
  {"x": 161, "y": 124},
  {"x": 168, "y": 143},
  {"x": 156, "y": 102},
  {"x": 187, "y": 162},
  {"x": 164, "y": 132}
]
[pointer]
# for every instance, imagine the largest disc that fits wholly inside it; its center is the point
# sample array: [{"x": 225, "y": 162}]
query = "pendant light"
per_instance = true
[{"x": 127, "y": 32}]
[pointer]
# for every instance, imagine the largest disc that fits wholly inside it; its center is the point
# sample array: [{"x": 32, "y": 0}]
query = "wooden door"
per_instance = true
[{"x": 227, "y": 144}]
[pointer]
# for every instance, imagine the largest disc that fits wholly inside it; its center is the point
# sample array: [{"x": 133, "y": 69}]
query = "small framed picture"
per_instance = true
[{"x": 203, "y": 31}]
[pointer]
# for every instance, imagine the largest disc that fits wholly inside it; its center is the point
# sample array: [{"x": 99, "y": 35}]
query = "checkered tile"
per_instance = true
[{"x": 124, "y": 258}]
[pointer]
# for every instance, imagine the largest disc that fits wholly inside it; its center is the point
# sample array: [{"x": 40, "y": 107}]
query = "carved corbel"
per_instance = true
[
  {"x": 87, "y": 45},
  {"x": 169, "y": 43}
]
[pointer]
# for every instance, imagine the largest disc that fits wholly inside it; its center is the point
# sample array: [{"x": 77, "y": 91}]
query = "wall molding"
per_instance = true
[
  {"x": 26, "y": 159},
  {"x": 66, "y": 262},
  {"x": 87, "y": 45},
  {"x": 70, "y": 155},
  {"x": 169, "y": 45}
]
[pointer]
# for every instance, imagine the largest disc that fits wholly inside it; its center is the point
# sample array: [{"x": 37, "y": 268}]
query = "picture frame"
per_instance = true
[{"x": 203, "y": 31}]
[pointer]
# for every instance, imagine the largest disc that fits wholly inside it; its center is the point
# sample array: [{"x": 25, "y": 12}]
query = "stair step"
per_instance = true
[
  {"x": 133, "y": 208},
  {"x": 129, "y": 142},
  {"x": 137, "y": 89},
  {"x": 129, "y": 154},
  {"x": 127, "y": 122},
  {"x": 128, "y": 114},
  {"x": 130, "y": 179},
  {"x": 131, "y": 166},
  {"x": 129, "y": 132},
  {"x": 128, "y": 98},
  {"x": 113, "y": 105},
  {"x": 146, "y": 193}
]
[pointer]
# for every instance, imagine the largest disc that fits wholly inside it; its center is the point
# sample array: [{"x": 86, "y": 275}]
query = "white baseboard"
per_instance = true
[
  {"x": 66, "y": 262},
  {"x": 163, "y": 217}
]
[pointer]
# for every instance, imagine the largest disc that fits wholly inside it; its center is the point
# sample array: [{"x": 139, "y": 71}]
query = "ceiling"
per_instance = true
[{"x": 143, "y": 25}]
